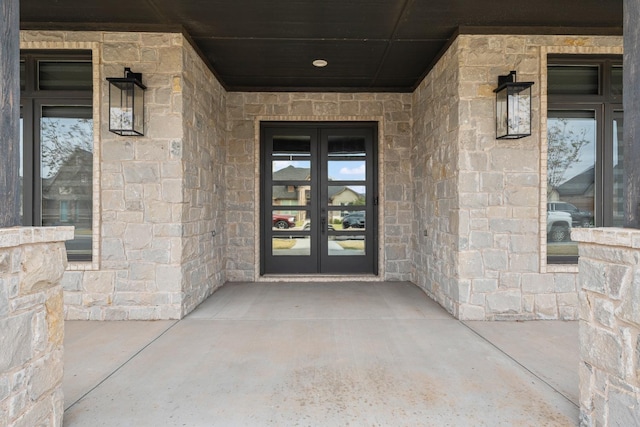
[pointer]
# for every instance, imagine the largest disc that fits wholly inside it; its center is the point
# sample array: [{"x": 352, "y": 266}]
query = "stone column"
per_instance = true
[
  {"x": 9, "y": 112},
  {"x": 609, "y": 326},
  {"x": 32, "y": 261}
]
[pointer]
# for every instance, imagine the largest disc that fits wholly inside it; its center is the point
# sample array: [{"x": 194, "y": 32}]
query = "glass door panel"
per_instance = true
[
  {"x": 350, "y": 170},
  {"x": 347, "y": 175},
  {"x": 347, "y": 195},
  {"x": 347, "y": 245},
  {"x": 289, "y": 190},
  {"x": 291, "y": 246}
]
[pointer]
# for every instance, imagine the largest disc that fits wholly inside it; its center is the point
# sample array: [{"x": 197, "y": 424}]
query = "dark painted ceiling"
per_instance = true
[{"x": 371, "y": 45}]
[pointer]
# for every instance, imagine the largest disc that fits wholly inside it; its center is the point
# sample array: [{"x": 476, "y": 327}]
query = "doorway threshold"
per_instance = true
[{"x": 320, "y": 278}]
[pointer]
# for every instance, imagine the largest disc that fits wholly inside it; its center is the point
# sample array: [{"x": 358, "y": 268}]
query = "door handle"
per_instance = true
[{"x": 323, "y": 225}]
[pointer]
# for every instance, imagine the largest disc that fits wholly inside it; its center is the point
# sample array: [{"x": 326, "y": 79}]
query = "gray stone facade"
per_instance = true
[
  {"x": 247, "y": 110},
  {"x": 609, "y": 326},
  {"x": 479, "y": 243},
  {"x": 158, "y": 199},
  {"x": 461, "y": 214},
  {"x": 32, "y": 262}
]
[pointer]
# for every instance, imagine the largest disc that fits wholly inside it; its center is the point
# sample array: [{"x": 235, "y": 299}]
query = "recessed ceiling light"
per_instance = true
[{"x": 320, "y": 63}]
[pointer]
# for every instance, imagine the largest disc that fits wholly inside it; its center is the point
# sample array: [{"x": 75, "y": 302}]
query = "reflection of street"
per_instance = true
[
  {"x": 302, "y": 247},
  {"x": 562, "y": 248},
  {"x": 306, "y": 244}
]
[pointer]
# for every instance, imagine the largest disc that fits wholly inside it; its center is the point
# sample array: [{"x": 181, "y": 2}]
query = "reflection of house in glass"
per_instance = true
[
  {"x": 578, "y": 190},
  {"x": 67, "y": 198},
  {"x": 292, "y": 195}
]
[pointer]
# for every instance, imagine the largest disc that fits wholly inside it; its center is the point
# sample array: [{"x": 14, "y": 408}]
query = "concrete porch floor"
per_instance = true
[{"x": 320, "y": 354}]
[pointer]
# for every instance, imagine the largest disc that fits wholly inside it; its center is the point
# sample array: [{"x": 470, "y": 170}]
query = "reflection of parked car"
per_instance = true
[
  {"x": 579, "y": 218},
  {"x": 283, "y": 221},
  {"x": 558, "y": 226},
  {"x": 353, "y": 220}
]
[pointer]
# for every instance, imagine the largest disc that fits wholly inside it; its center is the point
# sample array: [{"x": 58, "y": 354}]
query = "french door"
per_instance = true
[{"x": 319, "y": 198}]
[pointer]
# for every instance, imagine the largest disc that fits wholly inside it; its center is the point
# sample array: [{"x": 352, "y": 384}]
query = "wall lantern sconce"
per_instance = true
[
  {"x": 126, "y": 104},
  {"x": 513, "y": 107}
]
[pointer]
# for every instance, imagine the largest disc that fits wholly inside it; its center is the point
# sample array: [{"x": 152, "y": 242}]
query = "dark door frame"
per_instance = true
[{"x": 372, "y": 235}]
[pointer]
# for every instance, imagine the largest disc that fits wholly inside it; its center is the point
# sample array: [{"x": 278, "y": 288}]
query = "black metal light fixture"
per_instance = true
[
  {"x": 513, "y": 107},
  {"x": 126, "y": 104}
]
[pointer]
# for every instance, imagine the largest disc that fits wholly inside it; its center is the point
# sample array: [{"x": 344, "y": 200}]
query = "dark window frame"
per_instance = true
[
  {"x": 31, "y": 98},
  {"x": 607, "y": 107}
]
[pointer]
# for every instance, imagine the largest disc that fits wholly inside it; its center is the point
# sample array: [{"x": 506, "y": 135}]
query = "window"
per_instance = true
[
  {"x": 584, "y": 149},
  {"x": 56, "y": 153}
]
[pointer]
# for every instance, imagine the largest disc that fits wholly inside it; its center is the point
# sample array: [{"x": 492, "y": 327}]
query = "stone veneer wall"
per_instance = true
[
  {"x": 32, "y": 262},
  {"x": 435, "y": 182},
  {"x": 158, "y": 197},
  {"x": 203, "y": 208},
  {"x": 481, "y": 200},
  {"x": 244, "y": 113},
  {"x": 609, "y": 326}
]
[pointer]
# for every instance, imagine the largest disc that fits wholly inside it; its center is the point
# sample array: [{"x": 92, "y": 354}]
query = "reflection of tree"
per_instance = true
[
  {"x": 564, "y": 145},
  {"x": 60, "y": 139},
  {"x": 519, "y": 123},
  {"x": 360, "y": 202}
]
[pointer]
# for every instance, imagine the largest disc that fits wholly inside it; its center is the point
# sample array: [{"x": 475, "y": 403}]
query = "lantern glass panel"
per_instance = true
[
  {"x": 502, "y": 116},
  {"x": 519, "y": 110},
  {"x": 138, "y": 110},
  {"x": 120, "y": 115}
]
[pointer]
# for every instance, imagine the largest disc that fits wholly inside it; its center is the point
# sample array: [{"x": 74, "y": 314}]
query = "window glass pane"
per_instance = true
[
  {"x": 347, "y": 220},
  {"x": 346, "y": 245},
  {"x": 349, "y": 195},
  {"x": 66, "y": 136},
  {"x": 284, "y": 220},
  {"x": 21, "y": 170},
  {"x": 287, "y": 170},
  {"x": 291, "y": 246},
  {"x": 571, "y": 161},
  {"x": 292, "y": 145},
  {"x": 618, "y": 170},
  {"x": 347, "y": 170},
  {"x": 616, "y": 81},
  {"x": 346, "y": 146},
  {"x": 290, "y": 195},
  {"x": 65, "y": 75},
  {"x": 573, "y": 80}
]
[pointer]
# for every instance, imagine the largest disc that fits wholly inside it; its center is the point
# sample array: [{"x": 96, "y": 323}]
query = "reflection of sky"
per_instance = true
[
  {"x": 587, "y": 155},
  {"x": 345, "y": 170},
  {"x": 281, "y": 164}
]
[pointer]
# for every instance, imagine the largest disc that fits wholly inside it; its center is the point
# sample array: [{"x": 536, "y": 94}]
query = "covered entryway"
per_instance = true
[{"x": 319, "y": 198}]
